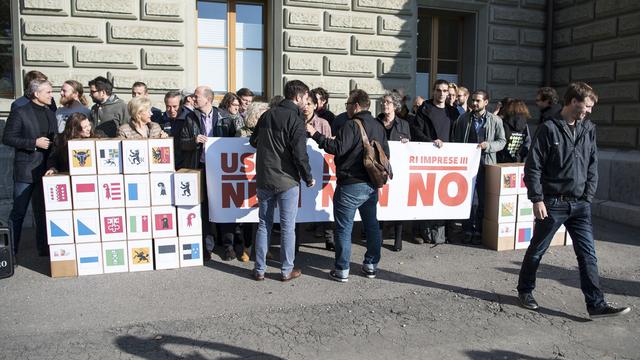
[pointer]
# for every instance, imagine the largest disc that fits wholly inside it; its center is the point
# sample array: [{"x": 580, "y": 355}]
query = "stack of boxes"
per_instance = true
[
  {"x": 508, "y": 222},
  {"x": 123, "y": 207}
]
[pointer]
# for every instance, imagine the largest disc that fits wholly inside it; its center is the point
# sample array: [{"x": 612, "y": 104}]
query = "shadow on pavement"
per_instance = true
[
  {"x": 147, "y": 348},
  {"x": 499, "y": 354},
  {"x": 28, "y": 255}
]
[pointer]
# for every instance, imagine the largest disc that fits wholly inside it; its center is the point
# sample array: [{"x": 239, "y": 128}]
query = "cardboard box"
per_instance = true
[
  {"x": 140, "y": 255},
  {"x": 525, "y": 208},
  {"x": 558, "y": 237},
  {"x": 59, "y": 227},
  {"x": 82, "y": 156},
  {"x": 166, "y": 253},
  {"x": 86, "y": 226},
  {"x": 85, "y": 192},
  {"x": 111, "y": 191},
  {"x": 190, "y": 251},
  {"x": 109, "y": 156},
  {"x": 163, "y": 221},
  {"x": 136, "y": 188},
  {"x": 501, "y": 209},
  {"x": 63, "y": 260},
  {"x": 161, "y": 155},
  {"x": 189, "y": 220},
  {"x": 112, "y": 226},
  {"x": 138, "y": 223},
  {"x": 524, "y": 232},
  {"x": 188, "y": 187},
  {"x": 502, "y": 179},
  {"x": 89, "y": 259},
  {"x": 522, "y": 187},
  {"x": 135, "y": 158},
  {"x": 57, "y": 192},
  {"x": 161, "y": 186},
  {"x": 498, "y": 236},
  {"x": 115, "y": 257}
]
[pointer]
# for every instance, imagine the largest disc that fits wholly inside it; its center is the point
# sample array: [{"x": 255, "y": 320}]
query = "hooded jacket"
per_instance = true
[{"x": 109, "y": 115}]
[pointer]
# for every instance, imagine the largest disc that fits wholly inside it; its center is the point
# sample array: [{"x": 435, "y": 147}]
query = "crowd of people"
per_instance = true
[{"x": 560, "y": 185}]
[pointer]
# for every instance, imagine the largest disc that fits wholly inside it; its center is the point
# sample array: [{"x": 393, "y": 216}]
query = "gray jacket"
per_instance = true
[
  {"x": 494, "y": 133},
  {"x": 109, "y": 115}
]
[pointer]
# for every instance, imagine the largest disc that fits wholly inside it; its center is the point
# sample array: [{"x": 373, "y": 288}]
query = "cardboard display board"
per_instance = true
[
  {"x": 140, "y": 254},
  {"x": 161, "y": 186},
  {"x": 166, "y": 253},
  {"x": 86, "y": 226},
  {"x": 111, "y": 191},
  {"x": 498, "y": 236},
  {"x": 524, "y": 232},
  {"x": 112, "y": 227},
  {"x": 57, "y": 192},
  {"x": 89, "y": 258},
  {"x": 187, "y": 187},
  {"x": 82, "y": 156},
  {"x": 161, "y": 155},
  {"x": 525, "y": 208},
  {"x": 85, "y": 192},
  {"x": 135, "y": 158},
  {"x": 109, "y": 156},
  {"x": 501, "y": 209},
  {"x": 522, "y": 187},
  {"x": 503, "y": 179},
  {"x": 189, "y": 220},
  {"x": 136, "y": 188},
  {"x": 115, "y": 257},
  {"x": 138, "y": 223},
  {"x": 190, "y": 251},
  {"x": 63, "y": 260},
  {"x": 59, "y": 227},
  {"x": 163, "y": 221}
]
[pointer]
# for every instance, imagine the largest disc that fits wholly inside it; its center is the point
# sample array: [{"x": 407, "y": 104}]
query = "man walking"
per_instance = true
[
  {"x": 561, "y": 174},
  {"x": 281, "y": 153}
]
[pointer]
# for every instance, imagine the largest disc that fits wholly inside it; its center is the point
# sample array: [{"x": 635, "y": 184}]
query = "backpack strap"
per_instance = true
[{"x": 365, "y": 138}]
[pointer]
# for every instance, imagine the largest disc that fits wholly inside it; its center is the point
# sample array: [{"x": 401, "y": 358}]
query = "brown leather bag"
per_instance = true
[{"x": 374, "y": 158}]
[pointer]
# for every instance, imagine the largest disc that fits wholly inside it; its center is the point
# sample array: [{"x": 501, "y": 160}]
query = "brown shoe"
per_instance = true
[
  {"x": 257, "y": 276},
  {"x": 295, "y": 273}
]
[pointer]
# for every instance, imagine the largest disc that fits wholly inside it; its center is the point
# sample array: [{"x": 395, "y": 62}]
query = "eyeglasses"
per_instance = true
[{"x": 388, "y": 102}]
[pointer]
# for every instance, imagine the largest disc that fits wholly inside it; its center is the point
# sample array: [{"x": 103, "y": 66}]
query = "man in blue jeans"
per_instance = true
[
  {"x": 561, "y": 173},
  {"x": 354, "y": 190},
  {"x": 281, "y": 160}
]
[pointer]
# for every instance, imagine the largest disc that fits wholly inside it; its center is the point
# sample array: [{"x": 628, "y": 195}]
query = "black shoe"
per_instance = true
[
  {"x": 527, "y": 301},
  {"x": 608, "y": 311},
  {"x": 370, "y": 274},
  {"x": 335, "y": 277},
  {"x": 229, "y": 254},
  {"x": 330, "y": 245}
]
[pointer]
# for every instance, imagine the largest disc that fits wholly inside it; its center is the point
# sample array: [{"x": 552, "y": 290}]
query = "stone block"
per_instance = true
[
  {"x": 35, "y": 54},
  {"x": 534, "y": 4},
  {"x": 530, "y": 76},
  {"x": 323, "y": 4},
  {"x": 403, "y": 7},
  {"x": 628, "y": 69},
  {"x": 619, "y": 137},
  {"x": 514, "y": 16},
  {"x": 380, "y": 46},
  {"x": 629, "y": 24},
  {"x": 302, "y": 64},
  {"x": 616, "y": 7},
  {"x": 497, "y": 92},
  {"x": 58, "y": 76},
  {"x": 349, "y": 22},
  {"x": 162, "y": 10},
  {"x": 561, "y": 4},
  {"x": 561, "y": 76},
  {"x": 395, "y": 68},
  {"x": 562, "y": 37},
  {"x": 44, "y": 7},
  {"x": 349, "y": 66},
  {"x": 503, "y": 35},
  {"x": 618, "y": 92},
  {"x": 158, "y": 81},
  {"x": 572, "y": 55},
  {"x": 105, "y": 57},
  {"x": 161, "y": 59},
  {"x": 394, "y": 25},
  {"x": 505, "y": 2},
  {"x": 316, "y": 43},
  {"x": 594, "y": 72},
  {"x": 502, "y": 74},
  {"x": 515, "y": 55},
  {"x": 139, "y": 33},
  {"x": 302, "y": 19},
  {"x": 531, "y": 37},
  {"x": 619, "y": 212},
  {"x": 377, "y": 87},
  {"x": 625, "y": 168},
  {"x": 601, "y": 114},
  {"x": 595, "y": 30},
  {"x": 113, "y": 9},
  {"x": 627, "y": 115},
  {"x": 336, "y": 86},
  {"x": 605, "y": 158},
  {"x": 574, "y": 15},
  {"x": 616, "y": 48},
  {"x": 59, "y": 30}
]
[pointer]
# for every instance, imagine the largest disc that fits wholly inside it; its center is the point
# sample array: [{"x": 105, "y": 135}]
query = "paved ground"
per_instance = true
[{"x": 447, "y": 302}]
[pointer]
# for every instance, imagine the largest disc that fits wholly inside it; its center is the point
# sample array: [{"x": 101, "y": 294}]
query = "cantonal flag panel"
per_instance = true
[
  {"x": 114, "y": 257},
  {"x": 132, "y": 190},
  {"x": 164, "y": 221},
  {"x": 190, "y": 251},
  {"x": 86, "y": 188},
  {"x": 138, "y": 223},
  {"x": 113, "y": 225},
  {"x": 141, "y": 255},
  {"x": 524, "y": 235},
  {"x": 58, "y": 192},
  {"x": 166, "y": 249}
]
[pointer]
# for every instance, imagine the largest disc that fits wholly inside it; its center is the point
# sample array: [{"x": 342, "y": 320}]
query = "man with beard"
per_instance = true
[
  {"x": 72, "y": 101},
  {"x": 109, "y": 111}
]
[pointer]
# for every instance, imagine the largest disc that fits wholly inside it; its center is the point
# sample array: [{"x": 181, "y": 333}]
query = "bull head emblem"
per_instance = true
[{"x": 81, "y": 156}]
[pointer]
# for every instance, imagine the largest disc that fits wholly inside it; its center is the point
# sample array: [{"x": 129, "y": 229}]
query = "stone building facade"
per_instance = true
[{"x": 368, "y": 44}]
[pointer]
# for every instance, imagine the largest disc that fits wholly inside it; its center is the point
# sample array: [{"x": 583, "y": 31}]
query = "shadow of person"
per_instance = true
[
  {"x": 149, "y": 348},
  {"x": 498, "y": 354}
]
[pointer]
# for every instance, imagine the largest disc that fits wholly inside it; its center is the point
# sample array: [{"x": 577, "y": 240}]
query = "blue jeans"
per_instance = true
[
  {"x": 346, "y": 200},
  {"x": 22, "y": 194},
  {"x": 287, "y": 202},
  {"x": 576, "y": 217}
]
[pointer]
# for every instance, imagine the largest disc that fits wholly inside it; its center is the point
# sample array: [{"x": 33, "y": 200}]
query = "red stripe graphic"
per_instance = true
[
  {"x": 86, "y": 188},
  {"x": 438, "y": 168}
]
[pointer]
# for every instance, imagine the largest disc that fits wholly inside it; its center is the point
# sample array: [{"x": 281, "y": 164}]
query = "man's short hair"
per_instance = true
[
  {"x": 35, "y": 86},
  {"x": 481, "y": 92},
  {"x": 138, "y": 84},
  {"x": 102, "y": 84},
  {"x": 322, "y": 92},
  {"x": 32, "y": 75},
  {"x": 207, "y": 92},
  {"x": 244, "y": 92},
  {"x": 295, "y": 88},
  {"x": 360, "y": 97},
  {"x": 548, "y": 94},
  {"x": 172, "y": 94},
  {"x": 464, "y": 90},
  {"x": 580, "y": 91},
  {"x": 440, "y": 82}
]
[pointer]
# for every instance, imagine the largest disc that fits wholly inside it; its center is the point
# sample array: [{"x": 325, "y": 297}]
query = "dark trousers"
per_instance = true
[
  {"x": 22, "y": 194},
  {"x": 233, "y": 234},
  {"x": 576, "y": 217},
  {"x": 474, "y": 223}
]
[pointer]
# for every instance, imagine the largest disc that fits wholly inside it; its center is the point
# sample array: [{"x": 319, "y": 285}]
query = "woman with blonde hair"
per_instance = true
[
  {"x": 140, "y": 125},
  {"x": 254, "y": 111}
]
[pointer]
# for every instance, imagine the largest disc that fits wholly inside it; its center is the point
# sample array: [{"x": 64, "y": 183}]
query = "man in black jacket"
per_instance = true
[
  {"x": 281, "y": 160},
  {"x": 561, "y": 174},
  {"x": 354, "y": 190},
  {"x": 29, "y": 130}
]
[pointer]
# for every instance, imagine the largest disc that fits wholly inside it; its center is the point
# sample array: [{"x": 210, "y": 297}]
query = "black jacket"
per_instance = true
[
  {"x": 21, "y": 132},
  {"x": 280, "y": 140},
  {"x": 184, "y": 132},
  {"x": 348, "y": 150},
  {"x": 516, "y": 132},
  {"x": 550, "y": 112},
  {"x": 558, "y": 165},
  {"x": 422, "y": 128},
  {"x": 399, "y": 128}
]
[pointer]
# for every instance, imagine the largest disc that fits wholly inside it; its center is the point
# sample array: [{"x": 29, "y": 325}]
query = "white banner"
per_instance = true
[{"x": 428, "y": 183}]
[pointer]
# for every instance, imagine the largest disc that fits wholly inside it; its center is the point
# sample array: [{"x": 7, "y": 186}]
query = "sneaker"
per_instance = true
[
  {"x": 229, "y": 254},
  {"x": 370, "y": 274},
  {"x": 527, "y": 301},
  {"x": 608, "y": 311},
  {"x": 245, "y": 255},
  {"x": 334, "y": 276}
]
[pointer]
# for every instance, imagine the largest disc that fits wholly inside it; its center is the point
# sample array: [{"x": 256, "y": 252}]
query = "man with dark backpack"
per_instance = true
[{"x": 355, "y": 189}]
